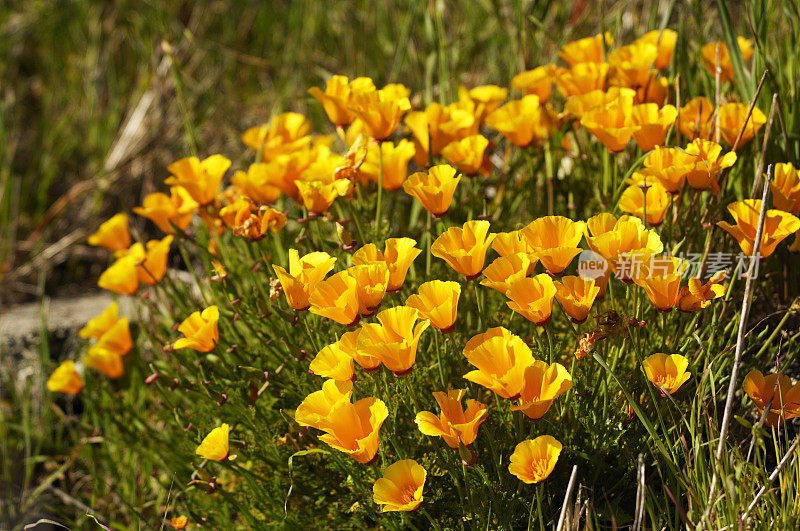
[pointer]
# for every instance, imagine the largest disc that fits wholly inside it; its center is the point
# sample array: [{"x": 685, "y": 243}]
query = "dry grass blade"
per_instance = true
[
  {"x": 567, "y": 495},
  {"x": 762, "y": 157},
  {"x": 772, "y": 477},
  {"x": 640, "y": 495}
]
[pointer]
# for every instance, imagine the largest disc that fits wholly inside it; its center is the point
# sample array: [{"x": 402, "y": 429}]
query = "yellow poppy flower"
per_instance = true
[
  {"x": 532, "y": 298},
  {"x": 622, "y": 244},
  {"x": 437, "y": 301},
  {"x": 581, "y": 79},
  {"x": 576, "y": 296},
  {"x": 467, "y": 154},
  {"x": 710, "y": 57},
  {"x": 731, "y": 122},
  {"x": 611, "y": 123},
  {"x": 534, "y": 460},
  {"x": 778, "y": 225},
  {"x": 200, "y": 178},
  {"x": 371, "y": 282},
  {"x": 107, "y": 362},
  {"x": 152, "y": 264},
  {"x": 785, "y": 187},
  {"x": 697, "y": 295},
  {"x": 318, "y": 195},
  {"x": 214, "y": 446},
  {"x": 669, "y": 166},
  {"x": 665, "y": 43},
  {"x": 508, "y": 243},
  {"x": 776, "y": 388},
  {"x": 646, "y": 198},
  {"x": 489, "y": 98},
  {"x": 586, "y": 50},
  {"x": 257, "y": 183},
  {"x": 504, "y": 271},
  {"x": 538, "y": 81},
  {"x": 113, "y": 234},
  {"x": 179, "y": 522},
  {"x": 336, "y": 298},
  {"x": 316, "y": 408},
  {"x": 653, "y": 124},
  {"x": 65, "y": 379},
  {"x": 500, "y": 359},
  {"x": 630, "y": 65},
  {"x": 434, "y": 189},
  {"x": 354, "y": 428},
  {"x": 333, "y": 362},
  {"x": 394, "y": 163},
  {"x": 164, "y": 210},
  {"x": 101, "y": 324},
  {"x": 253, "y": 222},
  {"x": 660, "y": 277},
  {"x": 122, "y": 276},
  {"x": 284, "y": 134},
  {"x": 522, "y": 121},
  {"x": 695, "y": 118},
  {"x": 400, "y": 488},
  {"x": 439, "y": 125},
  {"x": 398, "y": 255},
  {"x": 200, "y": 331},
  {"x": 543, "y": 384},
  {"x": 667, "y": 371},
  {"x": 380, "y": 110},
  {"x": 117, "y": 338},
  {"x": 464, "y": 248},
  {"x": 554, "y": 240},
  {"x": 394, "y": 341},
  {"x": 654, "y": 91},
  {"x": 303, "y": 276},
  {"x": 455, "y": 425},
  {"x": 338, "y": 95},
  {"x": 348, "y": 343}
]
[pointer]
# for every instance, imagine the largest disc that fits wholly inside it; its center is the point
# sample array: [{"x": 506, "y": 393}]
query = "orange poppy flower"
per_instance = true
[
  {"x": 467, "y": 154},
  {"x": 543, "y": 384},
  {"x": 508, "y": 243},
  {"x": 398, "y": 255},
  {"x": 611, "y": 123},
  {"x": 257, "y": 183},
  {"x": 646, "y": 199},
  {"x": 660, "y": 277},
  {"x": 653, "y": 123},
  {"x": 437, "y": 301},
  {"x": 630, "y": 65},
  {"x": 338, "y": 95},
  {"x": 434, "y": 189},
  {"x": 394, "y": 163},
  {"x": 554, "y": 240},
  {"x": 105, "y": 361},
  {"x": 625, "y": 243},
  {"x": 179, "y": 522},
  {"x": 522, "y": 121},
  {"x": 439, "y": 125},
  {"x": 400, "y": 488},
  {"x": 113, "y": 234},
  {"x": 708, "y": 162},
  {"x": 695, "y": 118},
  {"x": 214, "y": 446},
  {"x": 464, "y": 248},
  {"x": 667, "y": 371},
  {"x": 199, "y": 331},
  {"x": 710, "y": 57},
  {"x": 785, "y": 187},
  {"x": 697, "y": 295},
  {"x": 101, "y": 324},
  {"x": 121, "y": 277},
  {"x": 317, "y": 406},
  {"x": 532, "y": 298},
  {"x": 303, "y": 276},
  {"x": 354, "y": 428},
  {"x": 576, "y": 296},
  {"x": 164, "y": 210},
  {"x": 500, "y": 359},
  {"x": 65, "y": 379},
  {"x": 333, "y": 362},
  {"x": 775, "y": 388},
  {"x": 488, "y": 98},
  {"x": 284, "y": 134},
  {"x": 200, "y": 178},
  {"x": 394, "y": 341},
  {"x": 731, "y": 122},
  {"x": 778, "y": 226},
  {"x": 117, "y": 338},
  {"x": 538, "y": 81},
  {"x": 152, "y": 264},
  {"x": 665, "y": 43},
  {"x": 669, "y": 166},
  {"x": 586, "y": 50},
  {"x": 371, "y": 282},
  {"x": 581, "y": 79},
  {"x": 654, "y": 91},
  {"x": 455, "y": 425},
  {"x": 336, "y": 298},
  {"x": 381, "y": 110},
  {"x": 534, "y": 460},
  {"x": 319, "y": 194},
  {"x": 504, "y": 271},
  {"x": 348, "y": 343}
]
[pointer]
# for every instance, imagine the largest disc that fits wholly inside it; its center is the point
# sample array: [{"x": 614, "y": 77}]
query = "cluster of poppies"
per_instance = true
[{"x": 614, "y": 95}]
